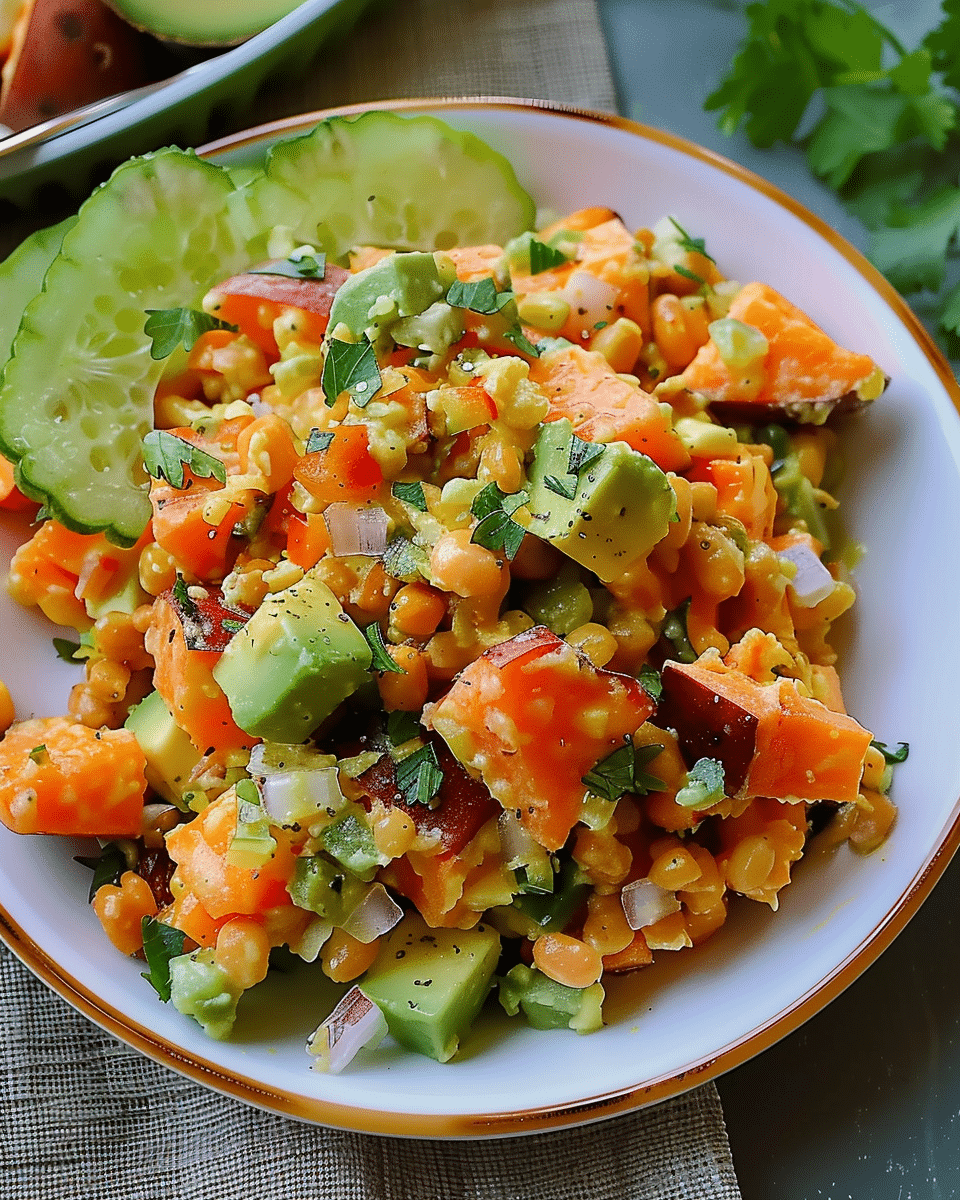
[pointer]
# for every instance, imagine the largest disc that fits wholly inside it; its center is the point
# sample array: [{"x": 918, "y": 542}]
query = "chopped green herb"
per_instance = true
[
  {"x": 688, "y": 274},
  {"x": 38, "y": 754},
  {"x": 582, "y": 454},
  {"x": 691, "y": 244},
  {"x": 351, "y": 367},
  {"x": 108, "y": 866},
  {"x": 304, "y": 266},
  {"x": 897, "y": 755},
  {"x": 318, "y": 440},
  {"x": 169, "y": 328},
  {"x": 622, "y": 772},
  {"x": 411, "y": 493},
  {"x": 381, "y": 659},
  {"x": 674, "y": 631},
  {"x": 566, "y": 487},
  {"x": 231, "y": 626},
  {"x": 161, "y": 943},
  {"x": 74, "y": 652},
  {"x": 182, "y": 598},
  {"x": 518, "y": 338},
  {"x": 167, "y": 456},
  {"x": 402, "y": 726},
  {"x": 496, "y": 529},
  {"x": 403, "y": 560},
  {"x": 481, "y": 296},
  {"x": 419, "y": 776},
  {"x": 651, "y": 682},
  {"x": 544, "y": 257}
]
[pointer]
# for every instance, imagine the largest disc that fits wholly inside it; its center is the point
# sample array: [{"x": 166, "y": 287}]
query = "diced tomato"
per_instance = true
[{"x": 343, "y": 470}]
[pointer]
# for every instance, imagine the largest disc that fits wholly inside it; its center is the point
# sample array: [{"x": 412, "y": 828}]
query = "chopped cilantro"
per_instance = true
[
  {"x": 480, "y": 296},
  {"x": 169, "y": 328},
  {"x": 302, "y": 266},
  {"x": 582, "y": 454},
  {"x": 566, "y": 487},
  {"x": 404, "y": 560},
  {"x": 651, "y": 682},
  {"x": 419, "y": 776},
  {"x": 544, "y": 257},
  {"x": 161, "y": 943},
  {"x": 402, "y": 726},
  {"x": 381, "y": 658},
  {"x": 167, "y": 456},
  {"x": 704, "y": 785},
  {"x": 674, "y": 631},
  {"x": 897, "y": 755},
  {"x": 74, "y": 652},
  {"x": 691, "y": 244},
  {"x": 410, "y": 493},
  {"x": 182, "y": 598},
  {"x": 496, "y": 529},
  {"x": 107, "y": 866},
  {"x": 318, "y": 440},
  {"x": 351, "y": 367},
  {"x": 622, "y": 772}
]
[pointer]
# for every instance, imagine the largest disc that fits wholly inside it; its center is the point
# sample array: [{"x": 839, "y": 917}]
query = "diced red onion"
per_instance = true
[
  {"x": 592, "y": 301},
  {"x": 290, "y": 797},
  {"x": 355, "y": 1022},
  {"x": 356, "y": 528},
  {"x": 645, "y": 902},
  {"x": 812, "y": 582},
  {"x": 377, "y": 913},
  {"x": 516, "y": 844}
]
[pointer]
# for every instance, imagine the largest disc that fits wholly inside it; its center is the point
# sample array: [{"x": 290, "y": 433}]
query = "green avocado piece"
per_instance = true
[
  {"x": 325, "y": 888},
  {"x": 605, "y": 516},
  {"x": 296, "y": 659},
  {"x": 171, "y": 756},
  {"x": 226, "y": 23},
  {"x": 202, "y": 989},
  {"x": 550, "y": 1005},
  {"x": 430, "y": 984},
  {"x": 397, "y": 286}
]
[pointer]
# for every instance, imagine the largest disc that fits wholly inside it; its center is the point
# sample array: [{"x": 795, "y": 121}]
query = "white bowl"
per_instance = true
[{"x": 695, "y": 1014}]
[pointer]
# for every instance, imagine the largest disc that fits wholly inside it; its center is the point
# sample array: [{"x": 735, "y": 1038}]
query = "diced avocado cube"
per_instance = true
[
  {"x": 551, "y": 912},
  {"x": 562, "y": 603},
  {"x": 399, "y": 285},
  {"x": 349, "y": 839},
  {"x": 434, "y": 330},
  {"x": 296, "y": 659},
  {"x": 171, "y": 755},
  {"x": 322, "y": 886},
  {"x": 201, "y": 989},
  {"x": 605, "y": 516},
  {"x": 430, "y": 984},
  {"x": 550, "y": 1005}
]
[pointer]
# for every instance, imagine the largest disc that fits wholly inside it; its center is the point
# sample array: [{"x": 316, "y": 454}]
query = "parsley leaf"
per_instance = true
[
  {"x": 496, "y": 529},
  {"x": 674, "y": 631},
  {"x": 651, "y": 682},
  {"x": 165, "y": 456},
  {"x": 182, "y": 599},
  {"x": 480, "y": 296},
  {"x": 402, "y": 726},
  {"x": 582, "y": 454},
  {"x": 898, "y": 755},
  {"x": 351, "y": 367},
  {"x": 622, "y": 771},
  {"x": 410, "y": 493},
  {"x": 419, "y": 776},
  {"x": 544, "y": 257},
  {"x": 74, "y": 652},
  {"x": 169, "y": 328},
  {"x": 381, "y": 658},
  {"x": 318, "y": 440},
  {"x": 566, "y": 486},
  {"x": 161, "y": 943},
  {"x": 404, "y": 560},
  {"x": 912, "y": 249},
  {"x": 107, "y": 866}
]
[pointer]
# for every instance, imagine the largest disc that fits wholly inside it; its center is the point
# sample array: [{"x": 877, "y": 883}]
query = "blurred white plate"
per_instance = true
[{"x": 695, "y": 1014}]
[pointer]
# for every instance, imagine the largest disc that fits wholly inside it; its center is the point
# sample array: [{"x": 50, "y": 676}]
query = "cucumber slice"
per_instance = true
[
  {"x": 77, "y": 393},
  {"x": 21, "y": 278},
  {"x": 411, "y": 183}
]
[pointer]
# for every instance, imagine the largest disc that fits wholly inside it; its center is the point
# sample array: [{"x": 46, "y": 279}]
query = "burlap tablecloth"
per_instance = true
[{"x": 83, "y": 1117}]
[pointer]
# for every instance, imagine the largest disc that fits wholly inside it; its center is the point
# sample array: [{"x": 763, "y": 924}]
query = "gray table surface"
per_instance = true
[{"x": 863, "y": 1102}]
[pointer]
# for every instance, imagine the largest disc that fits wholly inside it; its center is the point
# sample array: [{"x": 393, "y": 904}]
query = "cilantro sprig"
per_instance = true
[
  {"x": 496, "y": 529},
  {"x": 169, "y": 328},
  {"x": 166, "y": 456},
  {"x": 419, "y": 776},
  {"x": 879, "y": 123},
  {"x": 623, "y": 771},
  {"x": 351, "y": 367}
]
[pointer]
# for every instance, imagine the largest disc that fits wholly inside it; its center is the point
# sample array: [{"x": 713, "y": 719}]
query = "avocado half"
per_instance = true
[{"x": 203, "y": 23}]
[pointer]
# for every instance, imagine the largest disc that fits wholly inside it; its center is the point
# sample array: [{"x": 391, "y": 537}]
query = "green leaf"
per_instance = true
[
  {"x": 674, "y": 631},
  {"x": 622, "y": 772},
  {"x": 161, "y": 943},
  {"x": 107, "y": 867},
  {"x": 651, "y": 682},
  {"x": 402, "y": 726},
  {"x": 410, "y": 493},
  {"x": 381, "y": 659},
  {"x": 74, "y": 652},
  {"x": 860, "y": 120},
  {"x": 944, "y": 43},
  {"x": 318, "y": 440},
  {"x": 691, "y": 244},
  {"x": 404, "y": 560},
  {"x": 165, "y": 456},
  {"x": 950, "y": 313},
  {"x": 419, "y": 776},
  {"x": 169, "y": 328},
  {"x": 582, "y": 454},
  {"x": 351, "y": 367},
  {"x": 516, "y": 337},
  {"x": 496, "y": 528},
  {"x": 897, "y": 755},
  {"x": 912, "y": 254},
  {"x": 480, "y": 296},
  {"x": 544, "y": 257},
  {"x": 566, "y": 487},
  {"x": 182, "y": 598},
  {"x": 704, "y": 786},
  {"x": 304, "y": 266}
]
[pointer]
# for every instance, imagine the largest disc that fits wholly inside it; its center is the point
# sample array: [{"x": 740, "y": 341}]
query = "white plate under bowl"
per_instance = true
[{"x": 695, "y": 1014}]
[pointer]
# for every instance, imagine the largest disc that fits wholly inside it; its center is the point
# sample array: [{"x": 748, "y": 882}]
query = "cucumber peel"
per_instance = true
[
  {"x": 21, "y": 278},
  {"x": 380, "y": 179},
  {"x": 77, "y": 393}
]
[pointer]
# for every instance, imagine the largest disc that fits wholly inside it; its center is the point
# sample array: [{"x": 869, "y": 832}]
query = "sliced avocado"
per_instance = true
[
  {"x": 225, "y": 23},
  {"x": 550, "y": 1005},
  {"x": 606, "y": 515},
  {"x": 430, "y": 984},
  {"x": 297, "y": 658},
  {"x": 171, "y": 755},
  {"x": 325, "y": 888},
  {"x": 397, "y": 286}
]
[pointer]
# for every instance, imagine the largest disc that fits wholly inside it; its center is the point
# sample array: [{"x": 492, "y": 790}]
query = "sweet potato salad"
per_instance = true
[{"x": 476, "y": 646}]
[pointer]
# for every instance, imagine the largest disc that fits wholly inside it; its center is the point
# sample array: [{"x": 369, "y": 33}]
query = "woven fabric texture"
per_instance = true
[{"x": 84, "y": 1117}]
